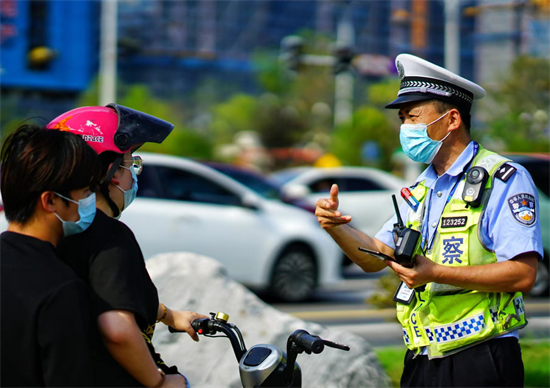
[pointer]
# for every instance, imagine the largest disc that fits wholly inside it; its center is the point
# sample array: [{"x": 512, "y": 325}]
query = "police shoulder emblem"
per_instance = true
[{"x": 523, "y": 208}]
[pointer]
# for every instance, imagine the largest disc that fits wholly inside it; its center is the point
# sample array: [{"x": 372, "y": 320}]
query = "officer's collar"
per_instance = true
[
  {"x": 462, "y": 161},
  {"x": 429, "y": 175}
]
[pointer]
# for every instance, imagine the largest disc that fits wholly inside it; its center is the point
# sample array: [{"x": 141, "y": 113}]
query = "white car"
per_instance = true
[
  {"x": 184, "y": 205},
  {"x": 365, "y": 193}
]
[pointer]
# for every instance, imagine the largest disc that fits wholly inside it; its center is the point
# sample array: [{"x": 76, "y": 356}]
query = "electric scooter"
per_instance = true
[{"x": 264, "y": 365}]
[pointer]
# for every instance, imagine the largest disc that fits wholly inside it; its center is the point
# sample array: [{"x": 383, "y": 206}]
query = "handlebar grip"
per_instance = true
[
  {"x": 310, "y": 342},
  {"x": 197, "y": 325}
]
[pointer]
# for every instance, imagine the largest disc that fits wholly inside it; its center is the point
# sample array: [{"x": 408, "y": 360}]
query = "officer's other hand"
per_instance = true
[
  {"x": 422, "y": 273},
  {"x": 327, "y": 211},
  {"x": 174, "y": 381}
]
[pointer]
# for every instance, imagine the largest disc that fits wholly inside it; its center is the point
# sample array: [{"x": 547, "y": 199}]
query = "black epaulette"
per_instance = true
[{"x": 505, "y": 171}]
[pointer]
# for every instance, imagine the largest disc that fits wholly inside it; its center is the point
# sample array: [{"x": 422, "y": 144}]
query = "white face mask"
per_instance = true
[
  {"x": 416, "y": 143},
  {"x": 86, "y": 211},
  {"x": 129, "y": 195}
]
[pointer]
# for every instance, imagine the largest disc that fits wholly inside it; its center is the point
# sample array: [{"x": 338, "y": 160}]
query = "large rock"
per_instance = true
[{"x": 192, "y": 282}]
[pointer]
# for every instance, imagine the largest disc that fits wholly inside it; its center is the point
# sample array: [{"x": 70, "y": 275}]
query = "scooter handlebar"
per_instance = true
[
  {"x": 310, "y": 343},
  {"x": 210, "y": 326},
  {"x": 201, "y": 326}
]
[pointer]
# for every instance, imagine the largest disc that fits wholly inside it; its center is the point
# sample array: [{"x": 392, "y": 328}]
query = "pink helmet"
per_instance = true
[{"x": 113, "y": 127}]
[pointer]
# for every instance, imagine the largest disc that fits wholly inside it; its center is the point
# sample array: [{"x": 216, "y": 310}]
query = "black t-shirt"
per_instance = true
[
  {"x": 108, "y": 257},
  {"x": 44, "y": 317}
]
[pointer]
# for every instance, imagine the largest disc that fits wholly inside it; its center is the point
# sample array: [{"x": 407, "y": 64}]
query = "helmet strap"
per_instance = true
[{"x": 104, "y": 186}]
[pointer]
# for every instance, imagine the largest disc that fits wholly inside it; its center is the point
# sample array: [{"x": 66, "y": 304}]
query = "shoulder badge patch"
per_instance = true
[
  {"x": 505, "y": 171},
  {"x": 523, "y": 208}
]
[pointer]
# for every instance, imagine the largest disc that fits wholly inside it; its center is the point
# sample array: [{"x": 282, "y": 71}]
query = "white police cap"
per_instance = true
[{"x": 422, "y": 80}]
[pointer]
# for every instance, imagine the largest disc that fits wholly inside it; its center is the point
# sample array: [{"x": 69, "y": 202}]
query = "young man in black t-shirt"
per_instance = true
[{"x": 44, "y": 305}]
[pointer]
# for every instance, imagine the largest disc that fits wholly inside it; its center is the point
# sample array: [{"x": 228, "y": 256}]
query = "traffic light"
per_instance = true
[
  {"x": 343, "y": 56},
  {"x": 40, "y": 57},
  {"x": 291, "y": 50}
]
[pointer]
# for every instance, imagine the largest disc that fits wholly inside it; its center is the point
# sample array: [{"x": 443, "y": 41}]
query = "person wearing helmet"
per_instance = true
[
  {"x": 124, "y": 298},
  {"x": 45, "y": 183}
]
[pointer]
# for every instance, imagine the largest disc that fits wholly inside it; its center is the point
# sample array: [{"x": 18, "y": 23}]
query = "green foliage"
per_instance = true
[
  {"x": 236, "y": 114},
  {"x": 280, "y": 125},
  {"x": 295, "y": 110},
  {"x": 184, "y": 142},
  {"x": 283, "y": 115},
  {"x": 535, "y": 355},
  {"x": 518, "y": 133},
  {"x": 391, "y": 358},
  {"x": 272, "y": 76},
  {"x": 527, "y": 87},
  {"x": 369, "y": 124},
  {"x": 383, "y": 297},
  {"x": 536, "y": 360},
  {"x": 8, "y": 121},
  {"x": 382, "y": 93},
  {"x": 517, "y": 110}
]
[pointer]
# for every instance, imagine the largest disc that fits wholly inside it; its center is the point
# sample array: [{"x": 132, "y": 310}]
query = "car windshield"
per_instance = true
[
  {"x": 255, "y": 182},
  {"x": 282, "y": 177}
]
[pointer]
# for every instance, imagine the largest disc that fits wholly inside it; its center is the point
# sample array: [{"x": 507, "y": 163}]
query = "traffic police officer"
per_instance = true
[{"x": 480, "y": 242}]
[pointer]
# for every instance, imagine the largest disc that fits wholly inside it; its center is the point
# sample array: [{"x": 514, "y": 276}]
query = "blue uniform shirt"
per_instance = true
[{"x": 501, "y": 231}]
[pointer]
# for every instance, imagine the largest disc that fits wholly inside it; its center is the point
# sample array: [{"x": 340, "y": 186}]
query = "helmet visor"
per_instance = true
[{"x": 135, "y": 128}]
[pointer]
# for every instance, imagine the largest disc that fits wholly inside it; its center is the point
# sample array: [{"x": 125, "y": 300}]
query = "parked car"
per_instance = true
[
  {"x": 365, "y": 193},
  {"x": 538, "y": 166},
  {"x": 268, "y": 189},
  {"x": 183, "y": 205},
  {"x": 260, "y": 183}
]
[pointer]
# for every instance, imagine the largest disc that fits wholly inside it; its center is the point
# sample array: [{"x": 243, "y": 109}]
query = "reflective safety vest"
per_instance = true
[{"x": 447, "y": 319}]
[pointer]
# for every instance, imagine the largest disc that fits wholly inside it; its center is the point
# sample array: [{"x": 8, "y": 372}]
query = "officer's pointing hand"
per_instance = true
[{"x": 327, "y": 211}]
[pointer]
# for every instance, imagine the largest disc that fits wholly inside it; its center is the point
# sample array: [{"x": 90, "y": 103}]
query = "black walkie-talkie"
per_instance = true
[{"x": 406, "y": 240}]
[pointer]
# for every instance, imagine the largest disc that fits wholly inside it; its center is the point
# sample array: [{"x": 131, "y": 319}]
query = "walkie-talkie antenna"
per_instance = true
[{"x": 399, "y": 219}]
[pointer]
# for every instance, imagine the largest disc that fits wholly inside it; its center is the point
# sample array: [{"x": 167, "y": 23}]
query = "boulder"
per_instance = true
[{"x": 193, "y": 282}]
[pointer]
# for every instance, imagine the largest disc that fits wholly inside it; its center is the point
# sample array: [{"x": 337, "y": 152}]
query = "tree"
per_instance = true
[
  {"x": 517, "y": 110},
  {"x": 369, "y": 125}
]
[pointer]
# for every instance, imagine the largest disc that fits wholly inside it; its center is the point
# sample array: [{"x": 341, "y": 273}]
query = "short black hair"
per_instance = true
[
  {"x": 444, "y": 106},
  {"x": 35, "y": 160}
]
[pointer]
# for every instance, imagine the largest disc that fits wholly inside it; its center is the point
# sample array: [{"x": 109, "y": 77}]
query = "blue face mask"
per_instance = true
[
  {"x": 416, "y": 143},
  {"x": 86, "y": 210},
  {"x": 129, "y": 195}
]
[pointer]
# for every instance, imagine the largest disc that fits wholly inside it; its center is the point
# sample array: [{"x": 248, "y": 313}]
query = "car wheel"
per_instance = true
[
  {"x": 294, "y": 275},
  {"x": 542, "y": 282}
]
